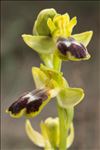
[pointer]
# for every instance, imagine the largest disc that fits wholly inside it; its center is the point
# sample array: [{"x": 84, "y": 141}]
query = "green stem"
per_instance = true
[
  {"x": 61, "y": 113},
  {"x": 63, "y": 128},
  {"x": 57, "y": 62}
]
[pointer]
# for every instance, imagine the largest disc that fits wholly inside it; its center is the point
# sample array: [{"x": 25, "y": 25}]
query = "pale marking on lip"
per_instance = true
[
  {"x": 68, "y": 43},
  {"x": 31, "y": 97},
  {"x": 34, "y": 97}
]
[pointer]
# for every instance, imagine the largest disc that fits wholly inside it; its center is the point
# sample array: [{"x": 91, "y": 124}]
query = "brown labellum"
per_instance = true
[
  {"x": 76, "y": 49},
  {"x": 31, "y": 101}
]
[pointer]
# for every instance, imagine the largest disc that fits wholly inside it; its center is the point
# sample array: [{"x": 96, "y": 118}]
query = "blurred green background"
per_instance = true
[{"x": 17, "y": 60}]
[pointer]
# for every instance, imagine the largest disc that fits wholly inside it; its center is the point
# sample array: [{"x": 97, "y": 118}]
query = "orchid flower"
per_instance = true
[
  {"x": 48, "y": 84},
  {"x": 59, "y": 38}
]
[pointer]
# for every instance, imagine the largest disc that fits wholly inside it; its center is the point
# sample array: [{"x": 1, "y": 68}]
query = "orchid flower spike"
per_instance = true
[{"x": 54, "y": 41}]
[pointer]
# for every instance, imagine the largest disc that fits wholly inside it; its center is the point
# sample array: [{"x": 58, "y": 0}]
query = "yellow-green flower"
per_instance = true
[
  {"x": 58, "y": 37},
  {"x": 50, "y": 134},
  {"x": 49, "y": 83}
]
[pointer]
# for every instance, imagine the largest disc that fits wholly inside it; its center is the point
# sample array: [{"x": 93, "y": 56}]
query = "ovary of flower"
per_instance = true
[{"x": 61, "y": 25}]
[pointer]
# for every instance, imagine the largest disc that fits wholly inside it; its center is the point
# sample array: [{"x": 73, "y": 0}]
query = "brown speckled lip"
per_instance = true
[
  {"x": 30, "y": 105},
  {"x": 76, "y": 49}
]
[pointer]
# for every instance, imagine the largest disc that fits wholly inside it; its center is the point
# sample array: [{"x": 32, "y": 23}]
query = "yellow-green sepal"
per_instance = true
[
  {"x": 40, "y": 44},
  {"x": 40, "y": 78},
  {"x": 71, "y": 25},
  {"x": 70, "y": 97},
  {"x": 33, "y": 135},
  {"x": 40, "y": 26},
  {"x": 84, "y": 37}
]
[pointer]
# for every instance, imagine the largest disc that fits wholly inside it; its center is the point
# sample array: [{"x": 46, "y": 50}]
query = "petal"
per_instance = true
[
  {"x": 84, "y": 37},
  {"x": 33, "y": 135},
  {"x": 30, "y": 104},
  {"x": 71, "y": 25},
  {"x": 51, "y": 25},
  {"x": 41, "y": 44},
  {"x": 57, "y": 18},
  {"x": 70, "y": 97},
  {"x": 73, "y": 22},
  {"x": 67, "y": 17},
  {"x": 70, "y": 138},
  {"x": 59, "y": 25},
  {"x": 61, "y": 20}
]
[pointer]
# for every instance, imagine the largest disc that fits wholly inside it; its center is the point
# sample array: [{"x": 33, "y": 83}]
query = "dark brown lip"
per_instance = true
[
  {"x": 25, "y": 101},
  {"x": 76, "y": 49}
]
